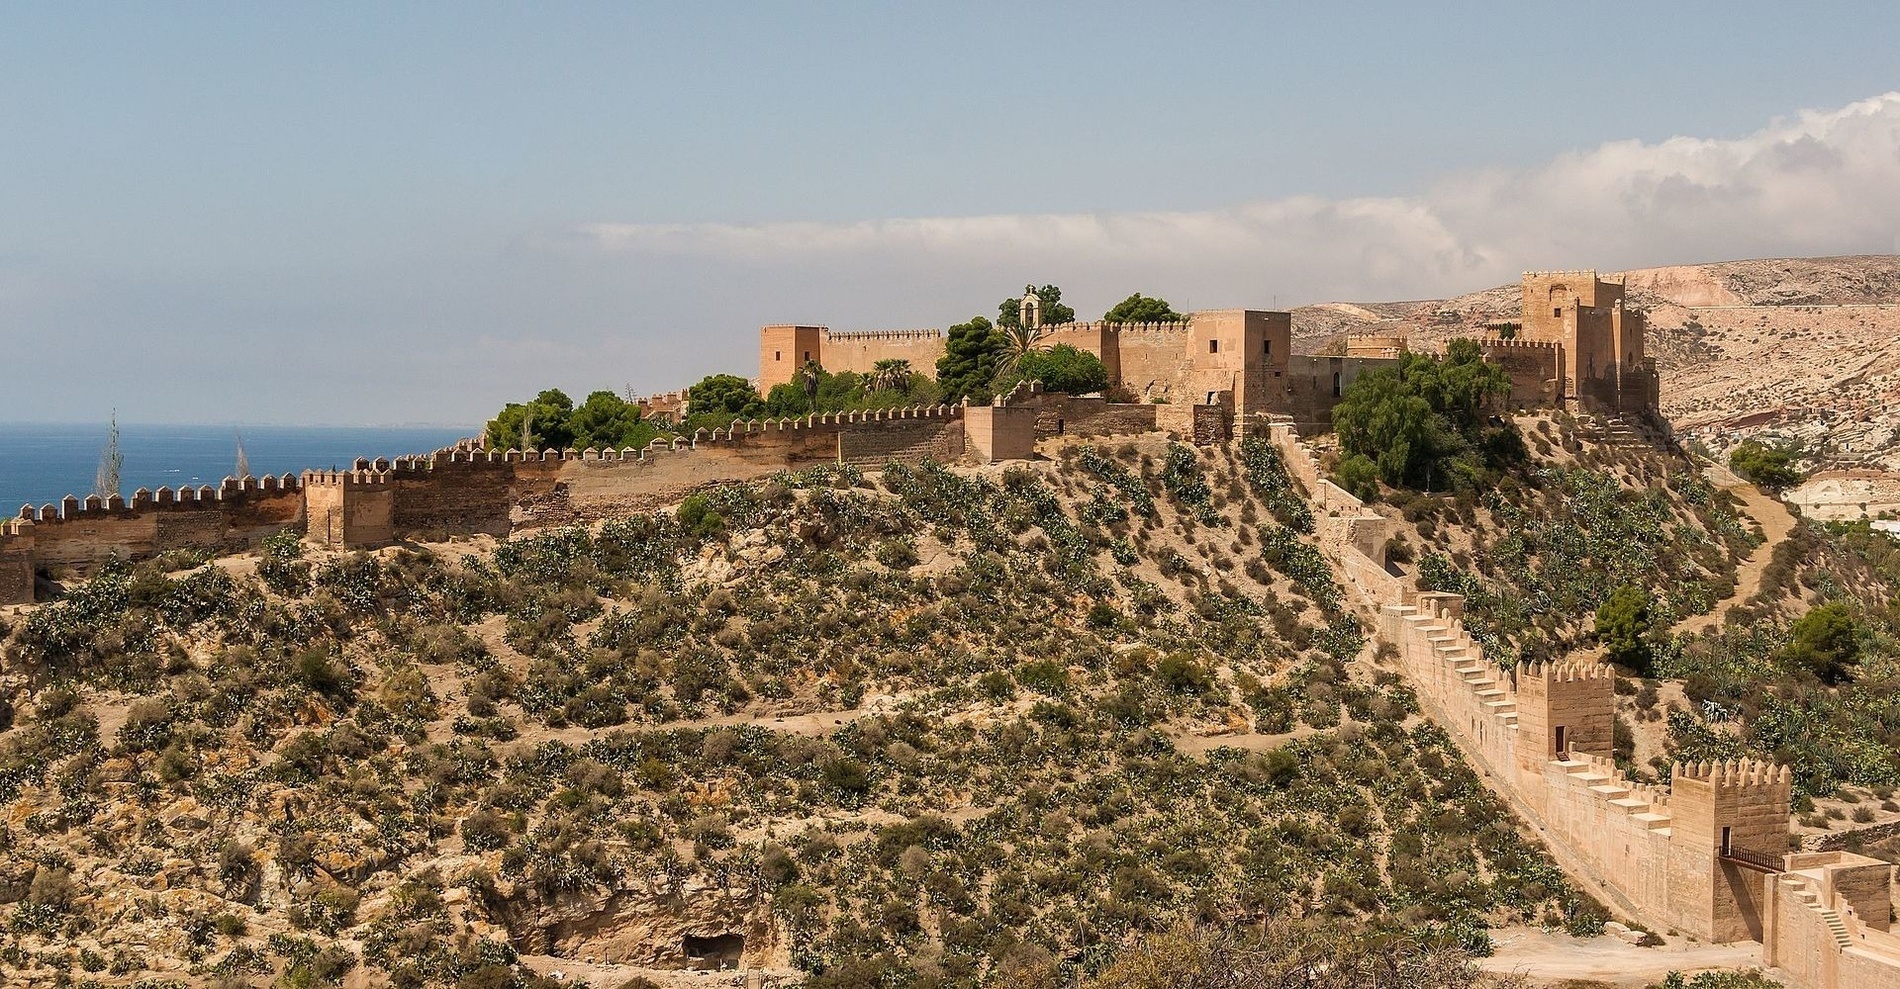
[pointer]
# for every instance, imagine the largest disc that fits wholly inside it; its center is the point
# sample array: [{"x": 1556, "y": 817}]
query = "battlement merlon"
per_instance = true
[{"x": 1734, "y": 773}]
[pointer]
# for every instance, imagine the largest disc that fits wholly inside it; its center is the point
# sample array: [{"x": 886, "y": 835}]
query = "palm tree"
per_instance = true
[
  {"x": 1018, "y": 341},
  {"x": 809, "y": 377},
  {"x": 892, "y": 374}
]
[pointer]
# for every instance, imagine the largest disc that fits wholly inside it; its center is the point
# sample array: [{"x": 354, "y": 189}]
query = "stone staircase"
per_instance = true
[{"x": 1808, "y": 896}]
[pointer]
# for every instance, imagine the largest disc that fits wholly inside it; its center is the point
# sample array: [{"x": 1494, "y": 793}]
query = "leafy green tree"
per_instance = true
[
  {"x": 1624, "y": 624},
  {"x": 1139, "y": 308},
  {"x": 848, "y": 391},
  {"x": 1009, "y": 311},
  {"x": 1423, "y": 424},
  {"x": 972, "y": 354},
  {"x": 607, "y": 421},
  {"x": 545, "y": 419},
  {"x": 1062, "y": 368},
  {"x": 1771, "y": 467},
  {"x": 1825, "y": 642},
  {"x": 724, "y": 394}
]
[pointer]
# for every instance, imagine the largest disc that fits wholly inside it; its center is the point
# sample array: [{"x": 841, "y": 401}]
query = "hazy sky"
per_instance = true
[{"x": 378, "y": 213}]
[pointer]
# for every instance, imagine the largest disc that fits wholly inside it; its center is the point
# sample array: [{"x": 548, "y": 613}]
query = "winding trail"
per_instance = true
[{"x": 1776, "y": 522}]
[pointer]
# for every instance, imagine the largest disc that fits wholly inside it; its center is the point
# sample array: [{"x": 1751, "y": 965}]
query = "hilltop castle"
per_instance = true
[
  {"x": 1576, "y": 342},
  {"x": 1211, "y": 376}
]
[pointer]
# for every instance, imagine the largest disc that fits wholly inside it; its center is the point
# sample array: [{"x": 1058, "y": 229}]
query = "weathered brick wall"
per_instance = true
[
  {"x": 874, "y": 444},
  {"x": 16, "y": 563},
  {"x": 1153, "y": 361},
  {"x": 859, "y": 352},
  {"x": 444, "y": 495},
  {"x": 1063, "y": 415},
  {"x": 238, "y": 513}
]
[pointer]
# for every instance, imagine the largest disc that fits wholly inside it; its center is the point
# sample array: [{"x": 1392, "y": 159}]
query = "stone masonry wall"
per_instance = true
[
  {"x": 16, "y": 562},
  {"x": 237, "y": 513}
]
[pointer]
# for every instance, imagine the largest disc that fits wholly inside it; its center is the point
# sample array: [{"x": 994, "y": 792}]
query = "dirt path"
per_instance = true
[
  {"x": 1776, "y": 523},
  {"x": 1552, "y": 956}
]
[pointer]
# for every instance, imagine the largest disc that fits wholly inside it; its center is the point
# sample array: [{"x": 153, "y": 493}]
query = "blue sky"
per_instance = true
[{"x": 357, "y": 213}]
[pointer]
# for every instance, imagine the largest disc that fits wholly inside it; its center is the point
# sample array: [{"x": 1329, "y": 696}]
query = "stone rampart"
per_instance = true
[
  {"x": 237, "y": 512},
  {"x": 859, "y": 351},
  {"x": 1697, "y": 855}
]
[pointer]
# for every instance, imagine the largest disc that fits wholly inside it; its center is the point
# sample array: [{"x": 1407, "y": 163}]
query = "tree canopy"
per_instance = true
[
  {"x": 1623, "y": 625},
  {"x": 1765, "y": 465},
  {"x": 1009, "y": 311},
  {"x": 1060, "y": 368},
  {"x": 552, "y": 421},
  {"x": 1825, "y": 642},
  {"x": 1139, "y": 308},
  {"x": 971, "y": 355},
  {"x": 724, "y": 395},
  {"x": 1422, "y": 424},
  {"x": 889, "y": 384}
]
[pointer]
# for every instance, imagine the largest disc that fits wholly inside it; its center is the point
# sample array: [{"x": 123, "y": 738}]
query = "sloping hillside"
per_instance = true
[
  {"x": 1809, "y": 347},
  {"x": 953, "y": 726}
]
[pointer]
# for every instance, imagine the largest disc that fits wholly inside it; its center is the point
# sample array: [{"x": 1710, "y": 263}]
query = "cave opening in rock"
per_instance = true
[{"x": 718, "y": 949}]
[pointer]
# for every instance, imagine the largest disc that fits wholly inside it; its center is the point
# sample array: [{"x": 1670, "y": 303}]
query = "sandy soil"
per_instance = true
[{"x": 1552, "y": 956}]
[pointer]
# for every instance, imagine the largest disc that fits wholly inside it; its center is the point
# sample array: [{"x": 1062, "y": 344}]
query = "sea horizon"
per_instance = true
[{"x": 42, "y": 463}]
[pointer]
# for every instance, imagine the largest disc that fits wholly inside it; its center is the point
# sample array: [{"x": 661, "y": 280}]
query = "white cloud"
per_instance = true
[{"x": 1821, "y": 182}]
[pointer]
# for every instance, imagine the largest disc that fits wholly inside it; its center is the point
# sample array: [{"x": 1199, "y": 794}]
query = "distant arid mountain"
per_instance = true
[{"x": 1799, "y": 346}]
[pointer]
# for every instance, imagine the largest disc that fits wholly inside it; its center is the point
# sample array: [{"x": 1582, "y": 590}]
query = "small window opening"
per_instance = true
[
  {"x": 778, "y": 355},
  {"x": 1335, "y": 384},
  {"x": 1269, "y": 346},
  {"x": 1557, "y": 311},
  {"x": 1213, "y": 346},
  {"x": 807, "y": 355},
  {"x": 1725, "y": 844}
]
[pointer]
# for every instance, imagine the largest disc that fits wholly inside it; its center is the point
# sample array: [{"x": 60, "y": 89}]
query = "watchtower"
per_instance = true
[
  {"x": 1564, "y": 707},
  {"x": 349, "y": 508},
  {"x": 16, "y": 561},
  {"x": 783, "y": 349},
  {"x": 1602, "y": 340},
  {"x": 1728, "y": 830}
]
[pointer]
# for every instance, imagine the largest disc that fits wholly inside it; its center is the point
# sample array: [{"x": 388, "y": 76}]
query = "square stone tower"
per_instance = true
[
  {"x": 1723, "y": 817},
  {"x": 1232, "y": 356},
  {"x": 1604, "y": 360},
  {"x": 349, "y": 508},
  {"x": 783, "y": 349},
  {"x": 1564, "y": 707}
]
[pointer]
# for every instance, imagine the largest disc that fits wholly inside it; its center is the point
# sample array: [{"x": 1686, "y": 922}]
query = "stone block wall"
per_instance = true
[
  {"x": 907, "y": 441},
  {"x": 1818, "y": 926},
  {"x": 237, "y": 513},
  {"x": 1000, "y": 432},
  {"x": 16, "y": 562},
  {"x": 349, "y": 508}
]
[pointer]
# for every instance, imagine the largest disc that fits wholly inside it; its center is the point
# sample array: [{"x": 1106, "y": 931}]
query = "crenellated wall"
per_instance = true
[
  {"x": 499, "y": 492},
  {"x": 1707, "y": 854},
  {"x": 237, "y": 513}
]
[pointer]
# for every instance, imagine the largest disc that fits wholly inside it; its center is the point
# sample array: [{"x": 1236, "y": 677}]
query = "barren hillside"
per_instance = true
[{"x": 1804, "y": 346}]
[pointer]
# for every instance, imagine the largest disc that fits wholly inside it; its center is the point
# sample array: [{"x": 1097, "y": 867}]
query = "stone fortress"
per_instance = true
[{"x": 1707, "y": 855}]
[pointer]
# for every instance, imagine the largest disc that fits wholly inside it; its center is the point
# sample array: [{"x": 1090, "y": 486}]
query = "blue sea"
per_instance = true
[{"x": 41, "y": 463}]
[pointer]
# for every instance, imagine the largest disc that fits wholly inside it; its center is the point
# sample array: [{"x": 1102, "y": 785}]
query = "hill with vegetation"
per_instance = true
[{"x": 932, "y": 725}]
